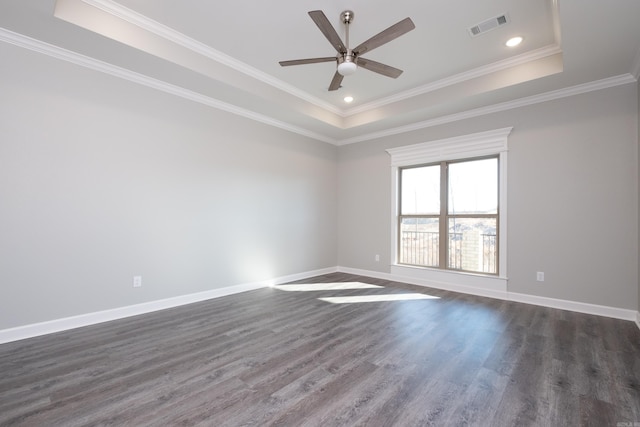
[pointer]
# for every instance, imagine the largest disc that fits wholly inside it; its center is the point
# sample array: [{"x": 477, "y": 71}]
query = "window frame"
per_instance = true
[
  {"x": 461, "y": 148},
  {"x": 444, "y": 216}
]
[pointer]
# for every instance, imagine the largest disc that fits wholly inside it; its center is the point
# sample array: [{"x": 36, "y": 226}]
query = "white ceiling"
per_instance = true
[{"x": 225, "y": 54}]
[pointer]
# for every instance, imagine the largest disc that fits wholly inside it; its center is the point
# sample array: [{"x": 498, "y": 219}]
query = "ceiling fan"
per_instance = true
[{"x": 348, "y": 59}]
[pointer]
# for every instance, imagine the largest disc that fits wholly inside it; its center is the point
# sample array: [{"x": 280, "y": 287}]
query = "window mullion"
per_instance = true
[{"x": 443, "y": 231}]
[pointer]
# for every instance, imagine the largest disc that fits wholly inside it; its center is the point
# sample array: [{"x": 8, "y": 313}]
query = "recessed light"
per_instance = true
[
  {"x": 515, "y": 41},
  {"x": 348, "y": 99}
]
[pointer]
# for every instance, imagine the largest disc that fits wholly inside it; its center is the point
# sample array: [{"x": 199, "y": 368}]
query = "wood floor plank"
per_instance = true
[
  {"x": 481, "y": 398},
  {"x": 596, "y": 413},
  {"x": 279, "y": 356}
]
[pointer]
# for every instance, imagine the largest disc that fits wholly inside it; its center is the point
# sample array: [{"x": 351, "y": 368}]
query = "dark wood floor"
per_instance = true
[{"x": 285, "y": 357}]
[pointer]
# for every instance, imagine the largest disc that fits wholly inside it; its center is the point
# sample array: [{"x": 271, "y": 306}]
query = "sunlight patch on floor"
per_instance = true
[
  {"x": 338, "y": 286},
  {"x": 376, "y": 298}
]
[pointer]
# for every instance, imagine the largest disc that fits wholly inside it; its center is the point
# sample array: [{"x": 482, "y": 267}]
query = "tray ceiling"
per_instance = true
[{"x": 225, "y": 54}]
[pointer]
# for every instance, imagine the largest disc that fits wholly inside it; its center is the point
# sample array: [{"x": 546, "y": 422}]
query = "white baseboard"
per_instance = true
[
  {"x": 58, "y": 325},
  {"x": 580, "y": 307},
  {"x": 366, "y": 273}
]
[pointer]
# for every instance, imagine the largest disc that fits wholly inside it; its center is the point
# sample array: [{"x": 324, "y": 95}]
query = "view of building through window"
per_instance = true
[{"x": 449, "y": 215}]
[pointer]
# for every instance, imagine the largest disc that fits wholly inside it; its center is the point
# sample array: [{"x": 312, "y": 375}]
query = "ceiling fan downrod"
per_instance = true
[{"x": 346, "y": 63}]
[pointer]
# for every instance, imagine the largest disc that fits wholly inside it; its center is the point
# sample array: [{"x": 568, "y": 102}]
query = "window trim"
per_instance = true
[{"x": 482, "y": 144}]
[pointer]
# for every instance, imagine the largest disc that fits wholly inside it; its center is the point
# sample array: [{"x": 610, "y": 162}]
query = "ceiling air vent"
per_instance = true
[{"x": 488, "y": 25}]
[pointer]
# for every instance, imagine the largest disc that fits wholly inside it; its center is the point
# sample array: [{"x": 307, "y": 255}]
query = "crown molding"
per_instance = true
[
  {"x": 132, "y": 17},
  {"x": 117, "y": 10},
  {"x": 35, "y": 45},
  {"x": 75, "y": 58},
  {"x": 514, "y": 61},
  {"x": 459, "y": 78},
  {"x": 495, "y": 108}
]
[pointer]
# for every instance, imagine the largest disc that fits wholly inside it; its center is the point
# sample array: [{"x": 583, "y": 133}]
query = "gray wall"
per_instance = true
[
  {"x": 638, "y": 137},
  {"x": 101, "y": 180},
  {"x": 572, "y": 196}
]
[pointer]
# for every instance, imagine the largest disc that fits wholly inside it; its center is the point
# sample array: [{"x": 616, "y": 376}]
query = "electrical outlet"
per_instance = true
[
  {"x": 540, "y": 276},
  {"x": 377, "y": 258},
  {"x": 137, "y": 281}
]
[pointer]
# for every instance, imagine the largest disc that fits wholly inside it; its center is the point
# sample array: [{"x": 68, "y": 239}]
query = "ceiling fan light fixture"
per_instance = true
[
  {"x": 347, "y": 67},
  {"x": 348, "y": 99}
]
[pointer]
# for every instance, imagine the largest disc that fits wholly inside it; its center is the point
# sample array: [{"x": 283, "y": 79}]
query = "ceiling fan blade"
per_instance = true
[
  {"x": 327, "y": 29},
  {"x": 308, "y": 61},
  {"x": 391, "y": 33},
  {"x": 336, "y": 81},
  {"x": 377, "y": 67}
]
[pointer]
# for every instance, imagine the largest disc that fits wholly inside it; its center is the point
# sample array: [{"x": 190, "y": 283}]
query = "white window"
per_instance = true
[
  {"x": 449, "y": 206},
  {"x": 448, "y": 215}
]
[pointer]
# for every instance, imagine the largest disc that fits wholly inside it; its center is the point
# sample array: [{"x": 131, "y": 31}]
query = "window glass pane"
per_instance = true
[
  {"x": 473, "y": 187},
  {"x": 420, "y": 192},
  {"x": 473, "y": 244},
  {"x": 419, "y": 241}
]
